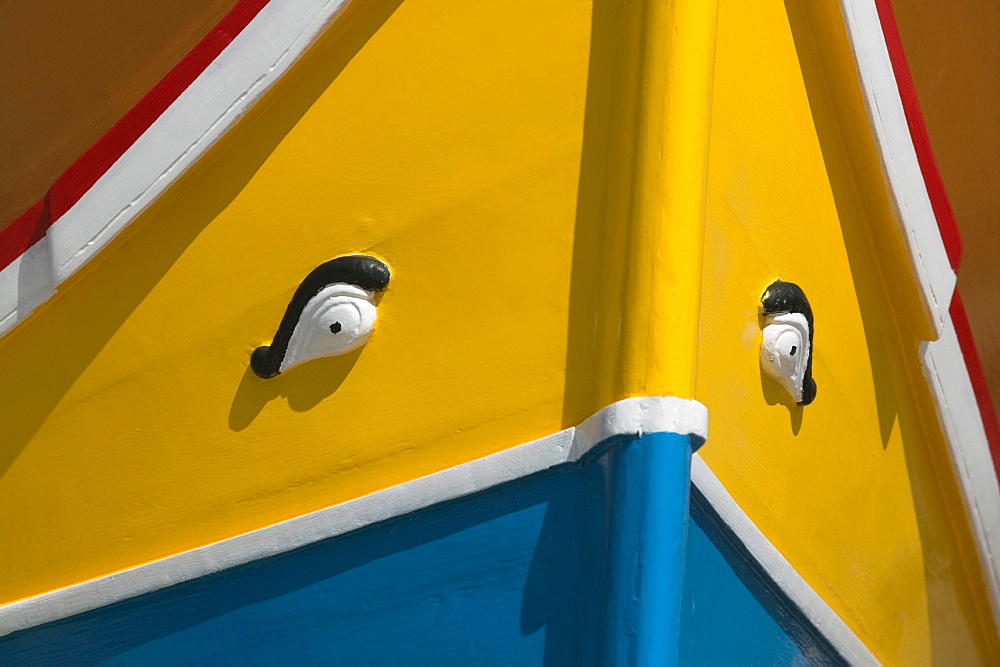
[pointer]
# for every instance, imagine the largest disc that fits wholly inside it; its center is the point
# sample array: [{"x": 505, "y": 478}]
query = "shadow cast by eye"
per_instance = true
[
  {"x": 774, "y": 393},
  {"x": 96, "y": 302},
  {"x": 304, "y": 387}
]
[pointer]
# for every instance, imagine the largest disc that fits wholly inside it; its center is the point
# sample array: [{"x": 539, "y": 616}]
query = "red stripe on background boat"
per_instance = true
[{"x": 29, "y": 228}]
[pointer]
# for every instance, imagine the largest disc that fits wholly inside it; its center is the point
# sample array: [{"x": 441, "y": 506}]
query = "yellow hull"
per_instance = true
[{"x": 569, "y": 222}]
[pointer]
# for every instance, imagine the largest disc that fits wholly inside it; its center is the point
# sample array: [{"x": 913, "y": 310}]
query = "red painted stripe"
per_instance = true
[
  {"x": 28, "y": 228},
  {"x": 968, "y": 345},
  {"x": 945, "y": 220},
  {"x": 918, "y": 133}
]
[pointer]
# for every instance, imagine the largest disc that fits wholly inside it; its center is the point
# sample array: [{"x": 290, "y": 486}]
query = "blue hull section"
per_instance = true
[
  {"x": 580, "y": 565},
  {"x": 733, "y": 614}
]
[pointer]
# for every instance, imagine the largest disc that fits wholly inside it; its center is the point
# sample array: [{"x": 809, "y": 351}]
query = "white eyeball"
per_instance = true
[
  {"x": 337, "y": 320},
  {"x": 784, "y": 352}
]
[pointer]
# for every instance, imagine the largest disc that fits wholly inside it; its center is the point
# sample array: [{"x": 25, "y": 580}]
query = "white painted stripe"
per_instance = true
[
  {"x": 653, "y": 414},
  {"x": 259, "y": 55},
  {"x": 899, "y": 160},
  {"x": 946, "y": 371},
  {"x": 778, "y": 569},
  {"x": 945, "y": 366},
  {"x": 25, "y": 284}
]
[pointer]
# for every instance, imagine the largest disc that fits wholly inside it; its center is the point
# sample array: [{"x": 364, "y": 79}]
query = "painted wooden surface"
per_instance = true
[
  {"x": 579, "y": 565},
  {"x": 494, "y": 167},
  {"x": 732, "y": 612},
  {"x": 772, "y": 566},
  {"x": 508, "y": 575},
  {"x": 454, "y": 154},
  {"x": 501, "y": 579},
  {"x": 855, "y": 489},
  {"x": 627, "y": 418},
  {"x": 954, "y": 57},
  {"x": 959, "y": 386}
]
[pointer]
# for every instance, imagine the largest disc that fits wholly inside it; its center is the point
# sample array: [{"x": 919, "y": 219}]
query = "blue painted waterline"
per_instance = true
[
  {"x": 580, "y": 565},
  {"x": 733, "y": 613}
]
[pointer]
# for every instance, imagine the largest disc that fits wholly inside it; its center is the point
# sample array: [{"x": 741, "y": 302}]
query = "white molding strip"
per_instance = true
[
  {"x": 945, "y": 367},
  {"x": 232, "y": 83},
  {"x": 25, "y": 284},
  {"x": 778, "y": 569},
  {"x": 899, "y": 160},
  {"x": 652, "y": 414},
  {"x": 958, "y": 411}
]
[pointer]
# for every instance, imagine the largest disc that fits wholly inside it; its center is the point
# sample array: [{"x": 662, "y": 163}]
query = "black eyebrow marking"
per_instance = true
[
  {"x": 781, "y": 298},
  {"x": 361, "y": 271}
]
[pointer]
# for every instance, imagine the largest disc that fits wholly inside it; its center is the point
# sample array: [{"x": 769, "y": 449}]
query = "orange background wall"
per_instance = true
[
  {"x": 953, "y": 50},
  {"x": 68, "y": 73}
]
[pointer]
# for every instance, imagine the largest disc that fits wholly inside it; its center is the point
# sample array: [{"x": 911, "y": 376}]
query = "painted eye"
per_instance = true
[
  {"x": 337, "y": 320},
  {"x": 343, "y": 316},
  {"x": 332, "y": 312},
  {"x": 787, "y": 344},
  {"x": 345, "y": 311},
  {"x": 786, "y": 348},
  {"x": 781, "y": 352}
]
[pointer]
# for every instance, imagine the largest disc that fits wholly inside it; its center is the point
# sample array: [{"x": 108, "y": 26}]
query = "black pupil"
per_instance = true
[
  {"x": 335, "y": 328},
  {"x": 792, "y": 353}
]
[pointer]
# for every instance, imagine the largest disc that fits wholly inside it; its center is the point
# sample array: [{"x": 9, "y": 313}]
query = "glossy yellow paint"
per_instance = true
[
  {"x": 665, "y": 222},
  {"x": 856, "y": 489},
  {"x": 641, "y": 205},
  {"x": 541, "y": 207},
  {"x": 443, "y": 137}
]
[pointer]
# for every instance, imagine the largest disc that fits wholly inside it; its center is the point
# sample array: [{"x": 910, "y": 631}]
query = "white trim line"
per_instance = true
[
  {"x": 652, "y": 414},
  {"x": 25, "y": 284},
  {"x": 958, "y": 412},
  {"x": 900, "y": 166},
  {"x": 232, "y": 83},
  {"x": 778, "y": 569},
  {"x": 945, "y": 367}
]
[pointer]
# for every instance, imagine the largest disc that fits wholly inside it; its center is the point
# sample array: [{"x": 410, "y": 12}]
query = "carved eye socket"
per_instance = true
[
  {"x": 784, "y": 352},
  {"x": 787, "y": 344},
  {"x": 332, "y": 312},
  {"x": 786, "y": 349},
  {"x": 346, "y": 317},
  {"x": 337, "y": 320}
]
